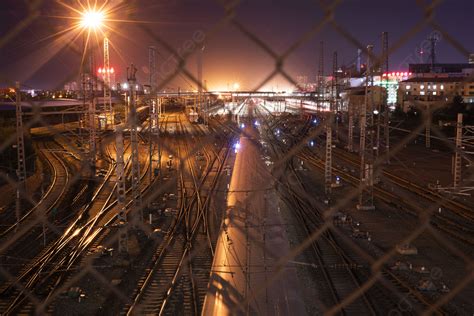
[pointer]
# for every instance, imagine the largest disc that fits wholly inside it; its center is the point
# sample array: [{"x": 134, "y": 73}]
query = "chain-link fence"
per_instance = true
[{"x": 140, "y": 210}]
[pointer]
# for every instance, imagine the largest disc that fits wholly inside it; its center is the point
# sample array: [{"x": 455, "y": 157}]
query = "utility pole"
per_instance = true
[
  {"x": 136, "y": 194},
  {"x": 321, "y": 77},
  {"x": 366, "y": 196},
  {"x": 107, "y": 90},
  {"x": 457, "y": 154},
  {"x": 121, "y": 191},
  {"x": 385, "y": 69},
  {"x": 20, "y": 150}
]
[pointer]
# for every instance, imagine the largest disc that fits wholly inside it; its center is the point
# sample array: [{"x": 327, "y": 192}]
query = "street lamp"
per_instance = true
[{"x": 92, "y": 19}]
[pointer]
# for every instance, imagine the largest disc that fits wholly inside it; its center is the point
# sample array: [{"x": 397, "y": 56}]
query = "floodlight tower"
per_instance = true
[
  {"x": 91, "y": 21},
  {"x": 107, "y": 89}
]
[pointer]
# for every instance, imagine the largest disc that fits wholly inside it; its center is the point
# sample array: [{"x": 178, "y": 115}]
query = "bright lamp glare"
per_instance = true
[{"x": 92, "y": 19}]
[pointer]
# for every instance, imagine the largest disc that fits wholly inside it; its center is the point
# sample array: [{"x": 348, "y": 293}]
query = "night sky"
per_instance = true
[{"x": 41, "y": 61}]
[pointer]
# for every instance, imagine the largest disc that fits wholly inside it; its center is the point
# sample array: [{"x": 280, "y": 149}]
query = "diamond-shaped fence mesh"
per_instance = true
[{"x": 321, "y": 201}]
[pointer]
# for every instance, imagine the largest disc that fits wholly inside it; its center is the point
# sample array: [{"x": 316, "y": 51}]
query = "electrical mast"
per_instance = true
[
  {"x": 21, "y": 168},
  {"x": 20, "y": 150},
  {"x": 154, "y": 123},
  {"x": 457, "y": 154},
  {"x": 350, "y": 128},
  {"x": 350, "y": 113},
  {"x": 385, "y": 69},
  {"x": 136, "y": 194},
  {"x": 321, "y": 77},
  {"x": 335, "y": 93},
  {"x": 366, "y": 196},
  {"x": 199, "y": 78},
  {"x": 121, "y": 192},
  {"x": 328, "y": 161}
]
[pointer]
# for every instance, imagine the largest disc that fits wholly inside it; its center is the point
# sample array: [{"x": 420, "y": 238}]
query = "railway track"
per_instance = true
[
  {"x": 51, "y": 268},
  {"x": 342, "y": 273},
  {"x": 51, "y": 198},
  {"x": 455, "y": 228},
  {"x": 53, "y": 258},
  {"x": 176, "y": 281},
  {"x": 458, "y": 208},
  {"x": 457, "y": 223},
  {"x": 336, "y": 278}
]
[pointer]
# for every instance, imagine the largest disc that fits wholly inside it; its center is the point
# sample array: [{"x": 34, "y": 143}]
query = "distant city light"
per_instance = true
[
  {"x": 311, "y": 143},
  {"x": 106, "y": 70},
  {"x": 397, "y": 74},
  {"x": 376, "y": 112},
  {"x": 125, "y": 86},
  {"x": 257, "y": 123},
  {"x": 242, "y": 125}
]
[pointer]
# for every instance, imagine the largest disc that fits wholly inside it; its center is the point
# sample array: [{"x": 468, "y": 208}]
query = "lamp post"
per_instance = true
[{"x": 91, "y": 21}]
